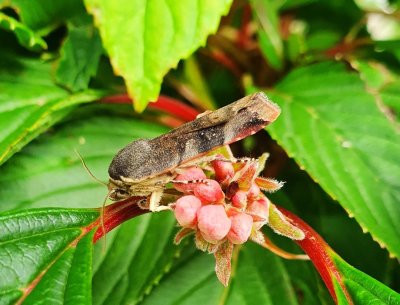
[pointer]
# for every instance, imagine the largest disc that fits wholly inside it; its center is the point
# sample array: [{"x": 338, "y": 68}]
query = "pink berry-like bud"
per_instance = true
[
  {"x": 253, "y": 192},
  {"x": 190, "y": 174},
  {"x": 209, "y": 192},
  {"x": 259, "y": 209},
  {"x": 239, "y": 200},
  {"x": 186, "y": 209},
  {"x": 223, "y": 170},
  {"x": 213, "y": 222},
  {"x": 240, "y": 228}
]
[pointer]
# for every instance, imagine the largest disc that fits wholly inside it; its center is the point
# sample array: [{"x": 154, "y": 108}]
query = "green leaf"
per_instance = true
[
  {"x": 259, "y": 278},
  {"x": 391, "y": 97},
  {"x": 322, "y": 40},
  {"x": 147, "y": 38},
  {"x": 80, "y": 57},
  {"x": 268, "y": 33},
  {"x": 374, "y": 74},
  {"x": 30, "y": 102},
  {"x": 43, "y": 16},
  {"x": 362, "y": 288},
  {"x": 26, "y": 37},
  {"x": 46, "y": 256},
  {"x": 141, "y": 254},
  {"x": 334, "y": 130}
]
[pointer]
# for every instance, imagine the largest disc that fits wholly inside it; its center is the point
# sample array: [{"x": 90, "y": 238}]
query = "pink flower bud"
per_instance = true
[
  {"x": 240, "y": 228},
  {"x": 253, "y": 192},
  {"x": 186, "y": 209},
  {"x": 223, "y": 170},
  {"x": 209, "y": 192},
  {"x": 239, "y": 200},
  {"x": 213, "y": 222},
  {"x": 259, "y": 209},
  {"x": 190, "y": 174}
]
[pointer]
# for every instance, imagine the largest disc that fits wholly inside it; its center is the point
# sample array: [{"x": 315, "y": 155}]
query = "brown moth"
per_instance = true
[{"x": 145, "y": 166}]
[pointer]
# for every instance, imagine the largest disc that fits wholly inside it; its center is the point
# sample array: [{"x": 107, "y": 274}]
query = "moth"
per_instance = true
[{"x": 145, "y": 166}]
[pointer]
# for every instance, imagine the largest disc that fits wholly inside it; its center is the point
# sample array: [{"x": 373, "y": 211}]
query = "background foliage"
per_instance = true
[{"x": 332, "y": 66}]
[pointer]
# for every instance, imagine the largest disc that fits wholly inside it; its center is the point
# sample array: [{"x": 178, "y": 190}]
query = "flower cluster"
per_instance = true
[{"x": 223, "y": 205}]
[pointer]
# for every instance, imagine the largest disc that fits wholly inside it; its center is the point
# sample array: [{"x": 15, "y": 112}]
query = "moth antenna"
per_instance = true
[
  {"x": 88, "y": 170},
  {"x": 103, "y": 227}
]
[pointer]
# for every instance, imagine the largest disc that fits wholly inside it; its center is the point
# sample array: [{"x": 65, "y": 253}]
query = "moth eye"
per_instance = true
[
  {"x": 122, "y": 192},
  {"x": 118, "y": 194}
]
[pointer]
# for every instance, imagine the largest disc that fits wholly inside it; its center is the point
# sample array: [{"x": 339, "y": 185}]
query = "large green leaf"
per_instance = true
[
  {"x": 259, "y": 278},
  {"x": 30, "y": 102},
  {"x": 46, "y": 256},
  {"x": 147, "y": 38},
  {"x": 362, "y": 288},
  {"x": 334, "y": 129}
]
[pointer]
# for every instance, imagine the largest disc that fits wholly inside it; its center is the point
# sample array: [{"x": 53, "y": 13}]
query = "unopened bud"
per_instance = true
[
  {"x": 241, "y": 225},
  {"x": 259, "y": 209},
  {"x": 223, "y": 170},
  {"x": 209, "y": 192},
  {"x": 213, "y": 222},
  {"x": 239, "y": 200},
  {"x": 253, "y": 192},
  {"x": 186, "y": 209}
]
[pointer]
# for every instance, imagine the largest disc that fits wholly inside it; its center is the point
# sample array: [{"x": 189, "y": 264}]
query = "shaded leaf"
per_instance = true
[
  {"x": 268, "y": 33},
  {"x": 80, "y": 57},
  {"x": 26, "y": 37},
  {"x": 145, "y": 39},
  {"x": 260, "y": 278},
  {"x": 43, "y": 16},
  {"x": 334, "y": 129}
]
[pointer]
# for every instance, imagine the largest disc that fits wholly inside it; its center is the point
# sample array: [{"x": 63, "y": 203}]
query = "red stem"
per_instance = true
[
  {"x": 320, "y": 254},
  {"x": 117, "y": 213},
  {"x": 244, "y": 31},
  {"x": 165, "y": 103}
]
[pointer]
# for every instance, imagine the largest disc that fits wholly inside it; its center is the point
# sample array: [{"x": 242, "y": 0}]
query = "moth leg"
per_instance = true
[
  {"x": 190, "y": 181},
  {"x": 154, "y": 204}
]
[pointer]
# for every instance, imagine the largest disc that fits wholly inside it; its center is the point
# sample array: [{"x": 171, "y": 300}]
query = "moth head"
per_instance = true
[{"x": 117, "y": 192}]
